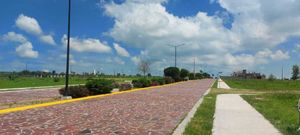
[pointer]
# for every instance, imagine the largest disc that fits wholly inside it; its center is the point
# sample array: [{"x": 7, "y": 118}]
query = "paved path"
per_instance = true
[
  {"x": 153, "y": 111},
  {"x": 222, "y": 84},
  {"x": 234, "y": 116},
  {"x": 27, "y": 95}
]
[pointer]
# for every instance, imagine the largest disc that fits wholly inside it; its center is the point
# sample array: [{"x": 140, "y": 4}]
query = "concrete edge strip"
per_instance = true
[
  {"x": 31, "y": 88},
  {"x": 181, "y": 127},
  {"x": 9, "y": 110}
]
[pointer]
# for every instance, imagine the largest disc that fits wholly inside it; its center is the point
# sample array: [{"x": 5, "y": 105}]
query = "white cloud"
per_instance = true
[
  {"x": 115, "y": 60},
  {"x": 257, "y": 25},
  {"x": 279, "y": 55},
  {"x": 121, "y": 51},
  {"x": 72, "y": 59},
  {"x": 86, "y": 45},
  {"x": 28, "y": 24},
  {"x": 136, "y": 60},
  {"x": 31, "y": 25},
  {"x": 26, "y": 50},
  {"x": 14, "y": 37},
  {"x": 47, "y": 39},
  {"x": 261, "y": 24}
]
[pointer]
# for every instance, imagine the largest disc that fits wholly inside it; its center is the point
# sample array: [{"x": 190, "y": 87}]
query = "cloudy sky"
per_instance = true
[{"x": 114, "y": 35}]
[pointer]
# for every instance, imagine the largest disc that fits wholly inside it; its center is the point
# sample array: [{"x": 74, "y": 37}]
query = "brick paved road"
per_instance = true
[
  {"x": 28, "y": 95},
  {"x": 153, "y": 111}
]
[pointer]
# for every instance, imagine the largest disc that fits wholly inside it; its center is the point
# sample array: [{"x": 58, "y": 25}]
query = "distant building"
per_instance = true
[{"x": 249, "y": 75}]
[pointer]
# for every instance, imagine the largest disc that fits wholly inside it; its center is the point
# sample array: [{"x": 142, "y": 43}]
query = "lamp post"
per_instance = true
[
  {"x": 67, "y": 93},
  {"x": 175, "y": 53}
]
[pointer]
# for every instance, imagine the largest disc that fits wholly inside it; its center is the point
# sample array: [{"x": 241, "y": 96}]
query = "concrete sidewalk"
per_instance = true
[
  {"x": 234, "y": 116},
  {"x": 222, "y": 84}
]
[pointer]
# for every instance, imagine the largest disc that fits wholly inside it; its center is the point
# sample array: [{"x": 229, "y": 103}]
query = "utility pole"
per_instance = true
[
  {"x": 67, "y": 93},
  {"x": 282, "y": 73},
  {"x": 194, "y": 67},
  {"x": 175, "y": 53}
]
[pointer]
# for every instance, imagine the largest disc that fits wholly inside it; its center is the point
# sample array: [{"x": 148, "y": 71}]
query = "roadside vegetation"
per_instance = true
[
  {"x": 262, "y": 84},
  {"x": 271, "y": 98},
  {"x": 279, "y": 108}
]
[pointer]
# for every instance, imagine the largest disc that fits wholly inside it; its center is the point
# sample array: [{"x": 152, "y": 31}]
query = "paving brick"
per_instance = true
[{"x": 154, "y": 111}]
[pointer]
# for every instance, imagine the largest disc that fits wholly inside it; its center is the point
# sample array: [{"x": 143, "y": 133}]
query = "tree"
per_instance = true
[
  {"x": 295, "y": 72},
  {"x": 173, "y": 72},
  {"x": 144, "y": 67},
  {"x": 184, "y": 73},
  {"x": 272, "y": 77}
]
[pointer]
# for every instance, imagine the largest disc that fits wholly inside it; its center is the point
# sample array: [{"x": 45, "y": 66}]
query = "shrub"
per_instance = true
[
  {"x": 191, "y": 76},
  {"x": 76, "y": 91},
  {"x": 125, "y": 86},
  {"x": 56, "y": 79},
  {"x": 99, "y": 86},
  {"x": 159, "y": 81},
  {"x": 154, "y": 83},
  {"x": 115, "y": 85},
  {"x": 141, "y": 83},
  {"x": 12, "y": 77},
  {"x": 184, "y": 73},
  {"x": 173, "y": 72},
  {"x": 272, "y": 77},
  {"x": 169, "y": 80}
]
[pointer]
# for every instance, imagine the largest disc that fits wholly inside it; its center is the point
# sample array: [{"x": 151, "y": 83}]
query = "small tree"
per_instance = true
[
  {"x": 295, "y": 72},
  {"x": 272, "y": 77},
  {"x": 144, "y": 67},
  {"x": 173, "y": 72},
  {"x": 184, "y": 73}
]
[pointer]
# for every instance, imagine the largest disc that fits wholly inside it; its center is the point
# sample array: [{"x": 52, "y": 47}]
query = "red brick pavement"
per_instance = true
[
  {"x": 25, "y": 95},
  {"x": 154, "y": 111}
]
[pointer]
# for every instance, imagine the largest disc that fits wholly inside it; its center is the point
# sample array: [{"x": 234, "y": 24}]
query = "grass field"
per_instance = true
[
  {"x": 256, "y": 84},
  {"x": 279, "y": 108},
  {"x": 277, "y": 103},
  {"x": 21, "y": 82}
]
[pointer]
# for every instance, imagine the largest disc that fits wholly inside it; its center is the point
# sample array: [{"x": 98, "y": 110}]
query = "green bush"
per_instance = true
[
  {"x": 99, "y": 86},
  {"x": 159, "y": 81},
  {"x": 56, "y": 79},
  {"x": 191, "y": 76},
  {"x": 76, "y": 91},
  {"x": 173, "y": 72},
  {"x": 141, "y": 83},
  {"x": 184, "y": 73},
  {"x": 168, "y": 80}
]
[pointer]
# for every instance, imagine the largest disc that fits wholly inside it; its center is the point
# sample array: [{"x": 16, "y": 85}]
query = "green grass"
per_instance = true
[
  {"x": 202, "y": 122},
  {"x": 279, "y": 108},
  {"x": 21, "y": 82},
  {"x": 276, "y": 100},
  {"x": 36, "y": 82},
  {"x": 256, "y": 84}
]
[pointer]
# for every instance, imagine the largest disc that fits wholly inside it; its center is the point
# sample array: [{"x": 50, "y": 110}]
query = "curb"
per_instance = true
[
  {"x": 32, "y": 88},
  {"x": 181, "y": 127}
]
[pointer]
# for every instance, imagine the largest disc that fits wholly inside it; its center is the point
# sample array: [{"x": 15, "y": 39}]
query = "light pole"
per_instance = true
[
  {"x": 67, "y": 93},
  {"x": 175, "y": 53}
]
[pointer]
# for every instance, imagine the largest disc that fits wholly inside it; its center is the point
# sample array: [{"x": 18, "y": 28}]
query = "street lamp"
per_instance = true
[
  {"x": 67, "y": 92},
  {"x": 175, "y": 53}
]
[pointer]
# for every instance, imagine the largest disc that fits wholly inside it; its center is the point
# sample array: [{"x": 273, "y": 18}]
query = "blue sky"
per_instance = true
[{"x": 115, "y": 35}]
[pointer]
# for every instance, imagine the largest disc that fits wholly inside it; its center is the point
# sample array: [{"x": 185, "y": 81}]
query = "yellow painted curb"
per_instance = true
[{"x": 9, "y": 110}]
